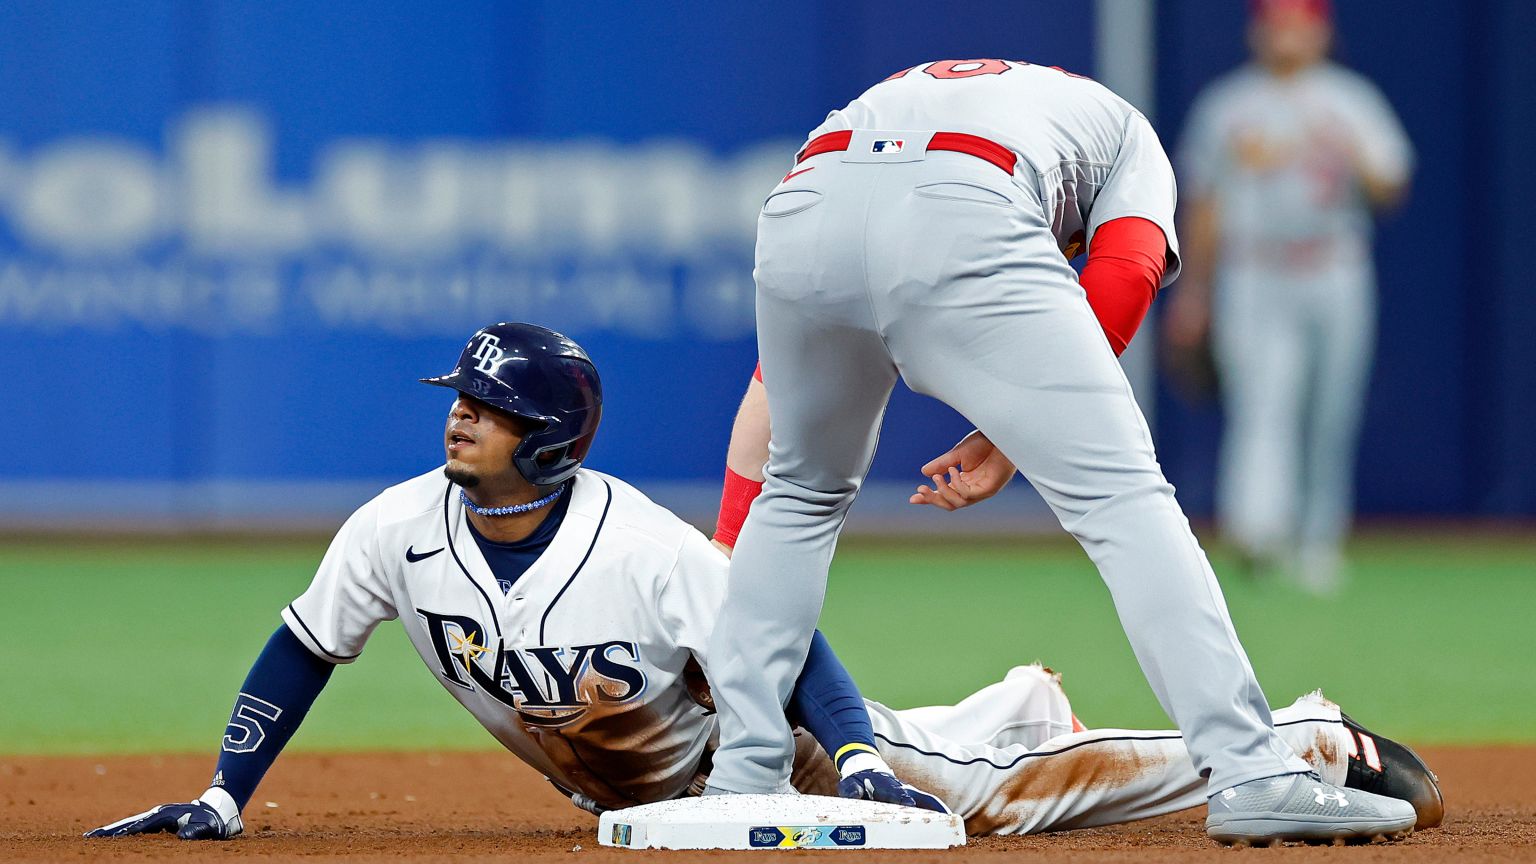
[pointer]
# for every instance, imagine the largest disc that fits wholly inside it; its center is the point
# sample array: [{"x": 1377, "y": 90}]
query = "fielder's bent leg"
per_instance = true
[
  {"x": 828, "y": 377},
  {"x": 998, "y": 328}
]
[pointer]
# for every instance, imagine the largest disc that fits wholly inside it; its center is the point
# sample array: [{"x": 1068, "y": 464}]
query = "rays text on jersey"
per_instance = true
[{"x": 547, "y": 685}]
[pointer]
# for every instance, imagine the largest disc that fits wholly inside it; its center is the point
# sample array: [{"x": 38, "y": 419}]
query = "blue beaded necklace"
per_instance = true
[{"x": 515, "y": 508}]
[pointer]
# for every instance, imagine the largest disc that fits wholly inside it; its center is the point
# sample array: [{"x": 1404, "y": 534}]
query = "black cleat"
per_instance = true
[{"x": 1385, "y": 767}]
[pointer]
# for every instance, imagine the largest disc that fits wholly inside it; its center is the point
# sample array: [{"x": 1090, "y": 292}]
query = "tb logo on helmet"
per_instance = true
[
  {"x": 553, "y": 385},
  {"x": 489, "y": 354}
]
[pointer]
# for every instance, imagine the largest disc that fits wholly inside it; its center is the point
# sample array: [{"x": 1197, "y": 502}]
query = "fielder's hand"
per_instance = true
[
  {"x": 977, "y": 471},
  {"x": 192, "y": 821},
  {"x": 885, "y": 787}
]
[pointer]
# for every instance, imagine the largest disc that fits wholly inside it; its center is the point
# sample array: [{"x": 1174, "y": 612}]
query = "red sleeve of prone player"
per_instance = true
[
  {"x": 735, "y": 501},
  {"x": 1124, "y": 269},
  {"x": 758, "y": 372}
]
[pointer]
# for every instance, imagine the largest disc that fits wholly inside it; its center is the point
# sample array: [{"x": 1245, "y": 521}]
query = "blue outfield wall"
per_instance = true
[
  {"x": 232, "y": 235},
  {"x": 1452, "y": 403}
]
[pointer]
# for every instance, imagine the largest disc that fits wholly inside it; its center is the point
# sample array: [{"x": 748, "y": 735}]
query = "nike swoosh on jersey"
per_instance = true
[{"x": 413, "y": 556}]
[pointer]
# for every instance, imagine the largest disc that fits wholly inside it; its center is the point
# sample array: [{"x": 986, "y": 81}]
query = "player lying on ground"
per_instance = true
[
  {"x": 565, "y": 611},
  {"x": 561, "y": 607}
]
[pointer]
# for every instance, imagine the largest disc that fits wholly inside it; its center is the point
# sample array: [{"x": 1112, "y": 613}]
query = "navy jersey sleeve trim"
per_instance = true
[
  {"x": 601, "y": 520},
  {"x": 314, "y": 642}
]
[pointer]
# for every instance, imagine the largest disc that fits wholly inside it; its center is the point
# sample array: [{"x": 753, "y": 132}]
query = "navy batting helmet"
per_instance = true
[{"x": 542, "y": 377}]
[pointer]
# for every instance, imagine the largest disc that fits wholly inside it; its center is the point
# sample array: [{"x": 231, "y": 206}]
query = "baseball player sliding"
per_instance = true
[
  {"x": 924, "y": 232},
  {"x": 565, "y": 611}
]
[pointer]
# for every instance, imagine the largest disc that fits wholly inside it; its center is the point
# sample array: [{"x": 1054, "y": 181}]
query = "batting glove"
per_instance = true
[
  {"x": 883, "y": 786},
  {"x": 196, "y": 820}
]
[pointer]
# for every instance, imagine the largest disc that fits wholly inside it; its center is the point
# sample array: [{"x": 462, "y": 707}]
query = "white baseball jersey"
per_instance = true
[
  {"x": 1089, "y": 154},
  {"x": 579, "y": 668},
  {"x": 1282, "y": 158}
]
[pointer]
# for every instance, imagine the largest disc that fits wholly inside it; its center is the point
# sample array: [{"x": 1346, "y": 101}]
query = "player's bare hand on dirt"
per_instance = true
[
  {"x": 976, "y": 470},
  {"x": 192, "y": 821}
]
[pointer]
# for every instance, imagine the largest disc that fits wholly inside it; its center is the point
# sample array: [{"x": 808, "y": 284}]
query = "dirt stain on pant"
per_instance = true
[
  {"x": 1323, "y": 752},
  {"x": 1037, "y": 794}
]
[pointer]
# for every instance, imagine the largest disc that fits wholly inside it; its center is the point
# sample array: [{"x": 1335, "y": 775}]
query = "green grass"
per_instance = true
[
  {"x": 140, "y": 646},
  {"x": 1430, "y": 641}
]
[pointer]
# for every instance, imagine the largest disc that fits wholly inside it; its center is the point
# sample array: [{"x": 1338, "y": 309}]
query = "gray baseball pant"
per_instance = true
[
  {"x": 943, "y": 270},
  {"x": 1295, "y": 354}
]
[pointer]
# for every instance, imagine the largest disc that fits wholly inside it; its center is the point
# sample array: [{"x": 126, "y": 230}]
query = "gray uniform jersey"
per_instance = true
[
  {"x": 1083, "y": 151},
  {"x": 1282, "y": 158},
  {"x": 889, "y": 258}
]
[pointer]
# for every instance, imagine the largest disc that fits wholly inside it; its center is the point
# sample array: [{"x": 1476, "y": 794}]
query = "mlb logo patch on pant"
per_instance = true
[{"x": 886, "y": 145}]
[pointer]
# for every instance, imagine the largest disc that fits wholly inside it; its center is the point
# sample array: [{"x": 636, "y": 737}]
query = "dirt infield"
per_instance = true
[{"x": 418, "y": 807}]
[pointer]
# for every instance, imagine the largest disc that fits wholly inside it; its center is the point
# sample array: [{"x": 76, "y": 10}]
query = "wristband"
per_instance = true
[
  {"x": 849, "y": 749},
  {"x": 735, "y": 501},
  {"x": 221, "y": 802},
  {"x": 862, "y": 761}
]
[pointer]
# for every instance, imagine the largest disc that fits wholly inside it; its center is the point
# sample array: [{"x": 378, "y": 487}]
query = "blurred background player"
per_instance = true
[{"x": 1281, "y": 166}]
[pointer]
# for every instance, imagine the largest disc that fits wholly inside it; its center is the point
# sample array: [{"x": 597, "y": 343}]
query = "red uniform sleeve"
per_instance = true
[{"x": 1125, "y": 266}]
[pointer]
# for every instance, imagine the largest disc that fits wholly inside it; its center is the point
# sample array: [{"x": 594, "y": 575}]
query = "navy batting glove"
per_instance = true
[
  {"x": 872, "y": 785},
  {"x": 926, "y": 800},
  {"x": 883, "y": 786},
  {"x": 194, "y": 821}
]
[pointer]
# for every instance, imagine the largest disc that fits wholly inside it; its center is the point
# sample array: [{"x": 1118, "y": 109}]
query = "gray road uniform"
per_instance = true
[
  {"x": 890, "y": 258},
  {"x": 584, "y": 669},
  {"x": 1294, "y": 314}
]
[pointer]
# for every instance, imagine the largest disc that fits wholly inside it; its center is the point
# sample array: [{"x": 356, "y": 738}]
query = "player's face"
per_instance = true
[
  {"x": 1291, "y": 39},
  {"x": 479, "y": 441}
]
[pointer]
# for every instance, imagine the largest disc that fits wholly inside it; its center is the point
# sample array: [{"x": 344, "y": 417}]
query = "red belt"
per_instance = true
[{"x": 958, "y": 142}]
